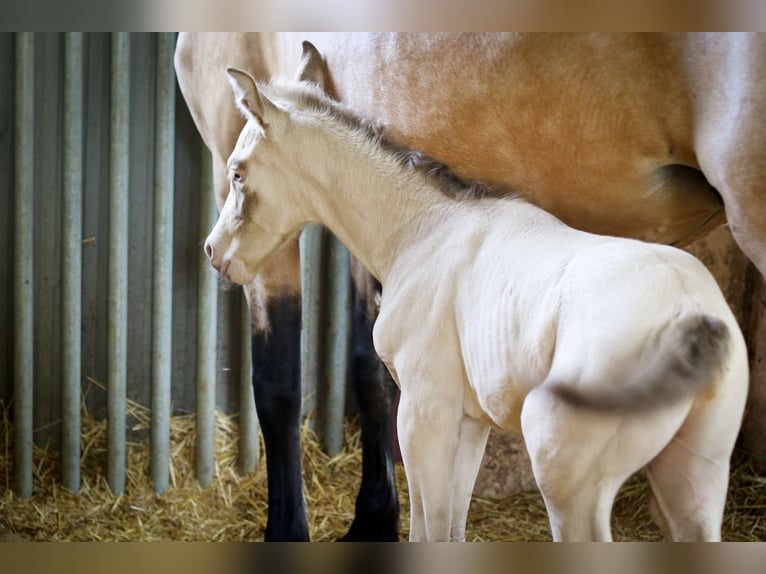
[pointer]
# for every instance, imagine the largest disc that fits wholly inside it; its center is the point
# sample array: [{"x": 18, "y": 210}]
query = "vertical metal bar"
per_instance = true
[
  {"x": 71, "y": 300},
  {"x": 207, "y": 320},
  {"x": 162, "y": 273},
  {"x": 23, "y": 372},
  {"x": 312, "y": 243},
  {"x": 118, "y": 260},
  {"x": 249, "y": 448},
  {"x": 338, "y": 343}
]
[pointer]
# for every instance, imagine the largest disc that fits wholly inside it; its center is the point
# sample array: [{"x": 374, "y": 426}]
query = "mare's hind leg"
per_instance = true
[
  {"x": 377, "y": 504},
  {"x": 580, "y": 458},
  {"x": 689, "y": 478},
  {"x": 735, "y": 164},
  {"x": 742, "y": 184}
]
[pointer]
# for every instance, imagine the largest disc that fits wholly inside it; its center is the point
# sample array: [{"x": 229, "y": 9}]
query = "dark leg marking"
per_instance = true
[
  {"x": 277, "y": 391},
  {"x": 377, "y": 504}
]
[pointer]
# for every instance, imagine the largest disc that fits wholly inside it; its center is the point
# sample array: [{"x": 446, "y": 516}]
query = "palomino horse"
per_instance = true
[
  {"x": 657, "y": 137},
  {"x": 609, "y": 354}
]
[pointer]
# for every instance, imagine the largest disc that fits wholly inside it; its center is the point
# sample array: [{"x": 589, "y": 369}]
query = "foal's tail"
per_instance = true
[{"x": 688, "y": 357}]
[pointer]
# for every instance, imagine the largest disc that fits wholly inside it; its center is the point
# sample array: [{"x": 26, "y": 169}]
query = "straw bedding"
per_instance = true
[{"x": 233, "y": 507}]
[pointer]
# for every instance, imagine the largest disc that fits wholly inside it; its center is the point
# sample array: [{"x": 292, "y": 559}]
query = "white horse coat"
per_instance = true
[
  {"x": 486, "y": 308},
  {"x": 607, "y": 354}
]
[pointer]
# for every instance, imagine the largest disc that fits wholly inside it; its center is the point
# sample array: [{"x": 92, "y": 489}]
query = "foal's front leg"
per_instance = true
[
  {"x": 428, "y": 429},
  {"x": 471, "y": 447}
]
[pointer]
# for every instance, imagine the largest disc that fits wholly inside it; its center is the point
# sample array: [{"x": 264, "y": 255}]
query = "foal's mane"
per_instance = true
[{"x": 309, "y": 96}]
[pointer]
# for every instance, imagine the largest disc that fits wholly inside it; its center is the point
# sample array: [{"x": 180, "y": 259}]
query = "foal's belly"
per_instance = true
[{"x": 503, "y": 408}]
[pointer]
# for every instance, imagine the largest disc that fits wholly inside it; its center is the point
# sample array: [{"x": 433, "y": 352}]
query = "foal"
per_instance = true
[{"x": 608, "y": 354}]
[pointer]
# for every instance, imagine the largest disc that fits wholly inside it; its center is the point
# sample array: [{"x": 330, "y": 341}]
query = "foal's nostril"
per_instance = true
[{"x": 208, "y": 250}]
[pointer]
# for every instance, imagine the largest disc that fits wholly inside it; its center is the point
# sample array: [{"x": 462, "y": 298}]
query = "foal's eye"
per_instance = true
[{"x": 237, "y": 174}]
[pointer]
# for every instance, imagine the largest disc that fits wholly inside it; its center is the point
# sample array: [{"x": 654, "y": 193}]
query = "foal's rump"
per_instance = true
[
  {"x": 641, "y": 326},
  {"x": 687, "y": 357}
]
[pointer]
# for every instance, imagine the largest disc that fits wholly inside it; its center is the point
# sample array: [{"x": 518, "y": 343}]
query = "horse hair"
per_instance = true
[{"x": 308, "y": 96}]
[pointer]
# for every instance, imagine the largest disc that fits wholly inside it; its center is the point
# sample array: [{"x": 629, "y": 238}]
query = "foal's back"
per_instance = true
[{"x": 535, "y": 300}]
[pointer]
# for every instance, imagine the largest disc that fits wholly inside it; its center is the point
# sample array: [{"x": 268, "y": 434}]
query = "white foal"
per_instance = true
[{"x": 609, "y": 355}]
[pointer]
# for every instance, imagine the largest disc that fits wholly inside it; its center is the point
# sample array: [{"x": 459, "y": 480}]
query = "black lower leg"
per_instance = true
[
  {"x": 277, "y": 391},
  {"x": 377, "y": 505}
]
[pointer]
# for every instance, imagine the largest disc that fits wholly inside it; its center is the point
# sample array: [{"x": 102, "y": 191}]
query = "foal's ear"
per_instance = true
[
  {"x": 311, "y": 67},
  {"x": 246, "y": 94}
]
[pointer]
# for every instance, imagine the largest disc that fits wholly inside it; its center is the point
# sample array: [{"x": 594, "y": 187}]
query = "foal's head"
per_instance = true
[{"x": 257, "y": 219}]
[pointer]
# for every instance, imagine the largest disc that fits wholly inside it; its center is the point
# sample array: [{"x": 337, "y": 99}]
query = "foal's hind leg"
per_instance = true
[
  {"x": 580, "y": 458},
  {"x": 689, "y": 478},
  {"x": 688, "y": 492}
]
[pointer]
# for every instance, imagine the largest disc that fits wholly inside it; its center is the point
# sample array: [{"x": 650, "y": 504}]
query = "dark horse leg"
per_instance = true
[
  {"x": 377, "y": 505},
  {"x": 277, "y": 392}
]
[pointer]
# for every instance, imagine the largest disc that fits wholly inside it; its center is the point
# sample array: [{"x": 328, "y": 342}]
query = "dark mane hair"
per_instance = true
[
  {"x": 308, "y": 96},
  {"x": 445, "y": 179}
]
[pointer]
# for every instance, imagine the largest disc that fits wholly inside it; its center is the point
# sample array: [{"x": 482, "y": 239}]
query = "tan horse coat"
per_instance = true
[{"x": 623, "y": 134}]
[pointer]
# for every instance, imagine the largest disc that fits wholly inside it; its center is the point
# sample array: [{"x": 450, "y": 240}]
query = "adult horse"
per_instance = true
[{"x": 657, "y": 137}]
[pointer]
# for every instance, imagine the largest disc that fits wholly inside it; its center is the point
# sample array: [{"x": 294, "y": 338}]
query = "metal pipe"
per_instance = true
[
  {"x": 23, "y": 371},
  {"x": 71, "y": 300},
  {"x": 162, "y": 273},
  {"x": 249, "y": 447},
  {"x": 118, "y": 260},
  {"x": 312, "y": 243},
  {"x": 207, "y": 321},
  {"x": 338, "y": 343}
]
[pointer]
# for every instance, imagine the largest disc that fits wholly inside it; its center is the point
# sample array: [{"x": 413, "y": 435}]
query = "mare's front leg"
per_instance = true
[
  {"x": 377, "y": 504},
  {"x": 275, "y": 349}
]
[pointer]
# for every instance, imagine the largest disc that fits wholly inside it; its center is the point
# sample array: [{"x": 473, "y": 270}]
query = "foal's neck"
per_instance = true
[{"x": 368, "y": 198}]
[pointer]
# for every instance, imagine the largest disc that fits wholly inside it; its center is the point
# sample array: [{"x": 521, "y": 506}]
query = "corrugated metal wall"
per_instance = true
[{"x": 116, "y": 294}]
